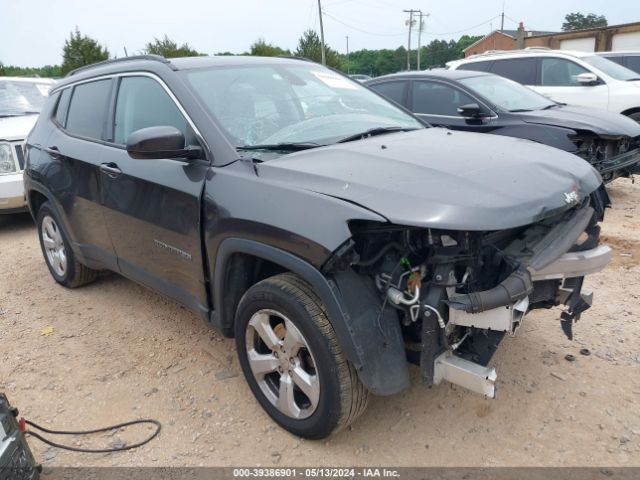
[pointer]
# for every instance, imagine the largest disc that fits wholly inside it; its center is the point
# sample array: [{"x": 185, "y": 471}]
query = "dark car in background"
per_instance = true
[
  {"x": 631, "y": 60},
  {"x": 486, "y": 103}
]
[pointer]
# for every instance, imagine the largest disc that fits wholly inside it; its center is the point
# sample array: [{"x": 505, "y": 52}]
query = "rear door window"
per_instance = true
[
  {"x": 88, "y": 109},
  {"x": 435, "y": 98},
  {"x": 521, "y": 70},
  {"x": 559, "y": 72},
  {"x": 394, "y": 91}
]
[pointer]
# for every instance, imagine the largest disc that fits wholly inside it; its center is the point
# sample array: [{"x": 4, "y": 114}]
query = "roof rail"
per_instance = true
[
  {"x": 156, "y": 58},
  {"x": 490, "y": 53}
]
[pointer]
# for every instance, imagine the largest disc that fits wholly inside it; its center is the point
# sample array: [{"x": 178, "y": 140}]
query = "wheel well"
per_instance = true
[
  {"x": 631, "y": 111},
  {"x": 36, "y": 199},
  {"x": 241, "y": 272}
]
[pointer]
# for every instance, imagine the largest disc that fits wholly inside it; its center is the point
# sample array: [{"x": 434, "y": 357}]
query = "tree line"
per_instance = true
[{"x": 80, "y": 50}]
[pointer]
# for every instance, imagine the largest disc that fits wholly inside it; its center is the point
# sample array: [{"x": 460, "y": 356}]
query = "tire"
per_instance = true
[
  {"x": 59, "y": 257},
  {"x": 635, "y": 116},
  {"x": 282, "y": 326}
]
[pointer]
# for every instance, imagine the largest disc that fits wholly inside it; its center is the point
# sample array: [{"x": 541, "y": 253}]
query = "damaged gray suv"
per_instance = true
[{"x": 332, "y": 234}]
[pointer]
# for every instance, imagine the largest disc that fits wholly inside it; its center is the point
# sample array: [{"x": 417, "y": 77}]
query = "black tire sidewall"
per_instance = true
[
  {"x": 46, "y": 210},
  {"x": 326, "y": 416}
]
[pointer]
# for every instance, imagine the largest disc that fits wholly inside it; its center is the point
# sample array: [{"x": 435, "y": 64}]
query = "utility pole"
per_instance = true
[
  {"x": 324, "y": 59},
  {"x": 502, "y": 21},
  {"x": 348, "y": 62},
  {"x": 410, "y": 24},
  {"x": 420, "y": 27}
]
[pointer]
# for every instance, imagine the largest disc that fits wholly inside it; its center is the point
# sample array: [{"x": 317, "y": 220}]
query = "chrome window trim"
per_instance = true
[{"x": 133, "y": 74}]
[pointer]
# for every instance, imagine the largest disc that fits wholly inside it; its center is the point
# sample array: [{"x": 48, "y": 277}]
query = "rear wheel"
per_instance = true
[
  {"x": 57, "y": 253},
  {"x": 291, "y": 359}
]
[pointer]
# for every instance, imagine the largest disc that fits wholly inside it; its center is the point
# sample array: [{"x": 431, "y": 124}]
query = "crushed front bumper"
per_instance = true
[
  {"x": 575, "y": 264},
  {"x": 629, "y": 161}
]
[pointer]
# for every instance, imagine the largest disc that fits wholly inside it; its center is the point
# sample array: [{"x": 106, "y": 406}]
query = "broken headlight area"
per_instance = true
[
  {"x": 613, "y": 157},
  {"x": 456, "y": 293}
]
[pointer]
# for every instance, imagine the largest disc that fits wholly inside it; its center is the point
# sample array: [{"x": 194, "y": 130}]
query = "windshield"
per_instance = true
[
  {"x": 302, "y": 103},
  {"x": 506, "y": 94},
  {"x": 610, "y": 68},
  {"x": 21, "y": 98}
]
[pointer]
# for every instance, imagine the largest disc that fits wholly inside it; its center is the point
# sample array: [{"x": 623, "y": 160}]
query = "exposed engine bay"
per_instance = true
[{"x": 456, "y": 294}]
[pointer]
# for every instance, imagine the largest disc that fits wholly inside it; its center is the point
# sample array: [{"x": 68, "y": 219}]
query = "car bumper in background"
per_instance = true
[{"x": 12, "y": 197}]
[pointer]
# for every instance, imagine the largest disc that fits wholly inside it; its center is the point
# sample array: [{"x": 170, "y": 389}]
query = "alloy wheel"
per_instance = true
[
  {"x": 54, "y": 245},
  {"x": 282, "y": 364}
]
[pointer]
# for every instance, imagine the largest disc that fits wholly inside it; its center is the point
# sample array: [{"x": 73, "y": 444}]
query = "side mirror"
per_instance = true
[
  {"x": 587, "y": 79},
  {"x": 154, "y": 143},
  {"x": 471, "y": 110}
]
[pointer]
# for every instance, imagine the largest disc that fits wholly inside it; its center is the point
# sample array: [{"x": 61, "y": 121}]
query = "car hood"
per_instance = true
[
  {"x": 438, "y": 178},
  {"x": 600, "y": 122},
  {"x": 16, "y": 128}
]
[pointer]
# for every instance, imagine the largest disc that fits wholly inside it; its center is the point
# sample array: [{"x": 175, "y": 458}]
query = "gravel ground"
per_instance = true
[{"x": 114, "y": 351}]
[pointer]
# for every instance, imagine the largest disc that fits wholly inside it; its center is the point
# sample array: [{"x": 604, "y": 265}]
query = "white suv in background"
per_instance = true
[
  {"x": 20, "y": 102},
  {"x": 575, "y": 78}
]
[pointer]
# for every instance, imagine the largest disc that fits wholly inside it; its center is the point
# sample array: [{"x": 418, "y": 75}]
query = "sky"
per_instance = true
[{"x": 33, "y": 31}]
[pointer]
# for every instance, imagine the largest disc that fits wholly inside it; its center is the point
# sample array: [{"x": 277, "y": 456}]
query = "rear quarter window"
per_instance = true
[
  {"x": 476, "y": 66},
  {"x": 521, "y": 70},
  {"x": 63, "y": 106},
  {"x": 394, "y": 91},
  {"x": 633, "y": 63},
  {"x": 87, "y": 113}
]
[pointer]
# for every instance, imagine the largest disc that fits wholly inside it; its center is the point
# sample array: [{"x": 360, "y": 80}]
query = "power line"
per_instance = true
[
  {"x": 467, "y": 29},
  {"x": 326, "y": 14}
]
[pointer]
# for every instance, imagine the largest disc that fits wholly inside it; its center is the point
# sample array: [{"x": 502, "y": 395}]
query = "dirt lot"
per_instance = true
[{"x": 113, "y": 351}]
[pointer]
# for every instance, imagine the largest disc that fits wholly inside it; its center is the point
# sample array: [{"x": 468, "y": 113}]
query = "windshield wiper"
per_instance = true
[
  {"x": 374, "y": 131},
  {"x": 519, "y": 110},
  {"x": 281, "y": 147},
  {"x": 553, "y": 105},
  {"x": 634, "y": 79}
]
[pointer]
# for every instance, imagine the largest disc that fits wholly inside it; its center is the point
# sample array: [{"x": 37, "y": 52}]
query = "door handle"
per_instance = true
[
  {"x": 110, "y": 169},
  {"x": 53, "y": 152}
]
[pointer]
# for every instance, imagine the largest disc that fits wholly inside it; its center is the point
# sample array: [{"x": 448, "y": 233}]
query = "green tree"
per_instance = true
[
  {"x": 46, "y": 71},
  {"x": 261, "y": 48},
  {"x": 80, "y": 50},
  {"x": 167, "y": 48},
  {"x": 578, "y": 21},
  {"x": 309, "y": 46}
]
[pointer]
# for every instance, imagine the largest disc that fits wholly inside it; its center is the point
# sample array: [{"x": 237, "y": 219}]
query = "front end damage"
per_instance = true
[
  {"x": 447, "y": 298},
  {"x": 612, "y": 156}
]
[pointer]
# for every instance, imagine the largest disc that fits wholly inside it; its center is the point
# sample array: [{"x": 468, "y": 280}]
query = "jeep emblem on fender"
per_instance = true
[{"x": 572, "y": 196}]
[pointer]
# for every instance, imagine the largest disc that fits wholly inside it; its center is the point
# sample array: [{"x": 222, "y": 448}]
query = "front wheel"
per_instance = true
[{"x": 291, "y": 359}]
